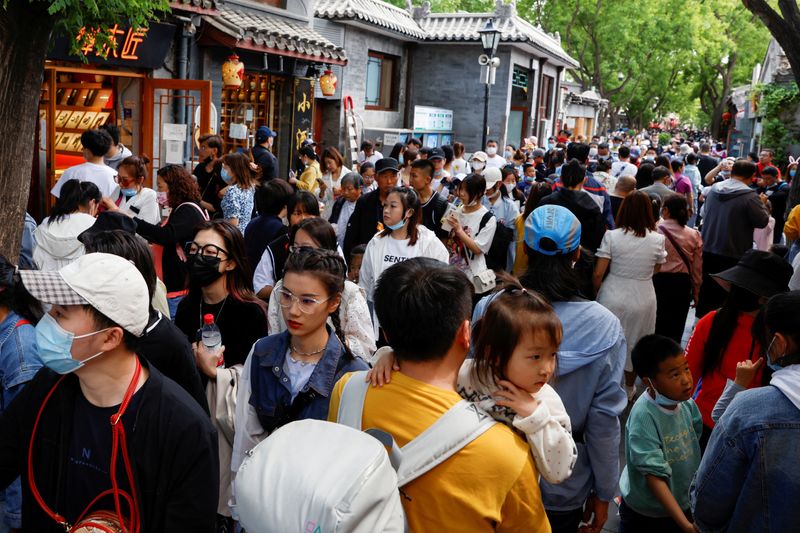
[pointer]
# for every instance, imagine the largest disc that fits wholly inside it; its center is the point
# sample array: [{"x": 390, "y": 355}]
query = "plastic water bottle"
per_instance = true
[{"x": 211, "y": 336}]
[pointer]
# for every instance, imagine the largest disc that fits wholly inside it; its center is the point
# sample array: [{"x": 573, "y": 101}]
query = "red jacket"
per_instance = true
[{"x": 738, "y": 349}]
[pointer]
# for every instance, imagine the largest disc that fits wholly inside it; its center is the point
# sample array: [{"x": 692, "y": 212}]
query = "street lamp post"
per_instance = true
[{"x": 490, "y": 38}]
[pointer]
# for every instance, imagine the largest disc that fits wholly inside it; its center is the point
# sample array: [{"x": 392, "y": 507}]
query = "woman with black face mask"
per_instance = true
[
  {"x": 220, "y": 284},
  {"x": 722, "y": 338}
]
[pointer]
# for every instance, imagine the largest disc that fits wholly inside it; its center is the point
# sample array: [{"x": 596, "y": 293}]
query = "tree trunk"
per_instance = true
[
  {"x": 25, "y": 30},
  {"x": 785, "y": 30}
]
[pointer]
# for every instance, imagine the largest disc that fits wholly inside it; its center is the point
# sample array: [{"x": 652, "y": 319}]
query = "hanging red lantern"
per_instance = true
[
  {"x": 327, "y": 83},
  {"x": 232, "y": 72},
  {"x": 726, "y": 117}
]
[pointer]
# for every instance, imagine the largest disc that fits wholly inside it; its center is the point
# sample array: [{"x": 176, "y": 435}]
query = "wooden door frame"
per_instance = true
[{"x": 148, "y": 101}]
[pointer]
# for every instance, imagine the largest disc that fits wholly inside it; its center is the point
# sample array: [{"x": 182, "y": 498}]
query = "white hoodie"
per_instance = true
[{"x": 57, "y": 243}]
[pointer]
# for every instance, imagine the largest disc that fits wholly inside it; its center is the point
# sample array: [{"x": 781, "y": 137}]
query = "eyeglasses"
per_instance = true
[
  {"x": 296, "y": 248},
  {"x": 121, "y": 181},
  {"x": 306, "y": 304},
  {"x": 207, "y": 250}
]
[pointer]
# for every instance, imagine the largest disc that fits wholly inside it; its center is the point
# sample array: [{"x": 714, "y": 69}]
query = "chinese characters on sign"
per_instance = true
[
  {"x": 302, "y": 111},
  {"x": 124, "y": 46},
  {"x": 123, "y": 43}
]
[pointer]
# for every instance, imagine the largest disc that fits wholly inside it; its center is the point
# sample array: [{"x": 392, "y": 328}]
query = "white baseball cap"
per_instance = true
[
  {"x": 109, "y": 283},
  {"x": 480, "y": 156},
  {"x": 492, "y": 175}
]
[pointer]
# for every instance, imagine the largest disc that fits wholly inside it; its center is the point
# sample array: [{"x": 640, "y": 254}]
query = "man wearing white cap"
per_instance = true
[{"x": 100, "y": 435}]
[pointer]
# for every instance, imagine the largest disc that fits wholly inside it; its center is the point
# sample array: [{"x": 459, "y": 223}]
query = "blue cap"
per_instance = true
[
  {"x": 263, "y": 133},
  {"x": 557, "y": 225}
]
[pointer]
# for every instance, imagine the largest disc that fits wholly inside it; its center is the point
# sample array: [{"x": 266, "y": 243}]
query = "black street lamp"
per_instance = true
[{"x": 490, "y": 38}]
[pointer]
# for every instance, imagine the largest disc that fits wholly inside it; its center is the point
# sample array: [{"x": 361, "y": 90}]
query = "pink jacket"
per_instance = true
[{"x": 691, "y": 243}]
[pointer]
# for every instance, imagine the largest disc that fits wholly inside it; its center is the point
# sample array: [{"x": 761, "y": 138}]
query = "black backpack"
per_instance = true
[{"x": 497, "y": 256}]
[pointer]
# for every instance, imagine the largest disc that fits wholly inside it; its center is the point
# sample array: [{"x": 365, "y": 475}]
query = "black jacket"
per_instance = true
[
  {"x": 261, "y": 231},
  {"x": 587, "y": 212},
  {"x": 179, "y": 230},
  {"x": 267, "y": 161},
  {"x": 166, "y": 347},
  {"x": 171, "y": 443},
  {"x": 363, "y": 223},
  {"x": 432, "y": 213}
]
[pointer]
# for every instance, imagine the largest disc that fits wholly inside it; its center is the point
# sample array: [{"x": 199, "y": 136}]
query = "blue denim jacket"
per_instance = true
[
  {"x": 271, "y": 394},
  {"x": 748, "y": 478},
  {"x": 19, "y": 361}
]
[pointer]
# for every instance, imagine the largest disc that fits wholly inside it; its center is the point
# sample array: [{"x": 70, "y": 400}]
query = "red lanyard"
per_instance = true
[{"x": 118, "y": 442}]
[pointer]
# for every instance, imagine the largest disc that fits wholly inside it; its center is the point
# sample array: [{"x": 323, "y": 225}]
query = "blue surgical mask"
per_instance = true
[
  {"x": 128, "y": 193},
  {"x": 55, "y": 346},
  {"x": 793, "y": 172},
  {"x": 225, "y": 176},
  {"x": 400, "y": 159},
  {"x": 529, "y": 179},
  {"x": 395, "y": 227},
  {"x": 773, "y": 364},
  {"x": 662, "y": 400}
]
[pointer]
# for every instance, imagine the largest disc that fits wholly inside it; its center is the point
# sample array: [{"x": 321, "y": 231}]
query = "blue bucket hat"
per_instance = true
[{"x": 552, "y": 229}]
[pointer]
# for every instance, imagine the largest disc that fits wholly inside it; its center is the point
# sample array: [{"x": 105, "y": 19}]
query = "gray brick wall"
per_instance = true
[{"x": 448, "y": 76}]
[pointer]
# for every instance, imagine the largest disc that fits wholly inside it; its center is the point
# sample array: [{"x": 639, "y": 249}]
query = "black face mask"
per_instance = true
[{"x": 203, "y": 270}]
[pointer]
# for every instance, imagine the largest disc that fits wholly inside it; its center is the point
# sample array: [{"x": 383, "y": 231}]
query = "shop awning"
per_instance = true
[{"x": 272, "y": 35}]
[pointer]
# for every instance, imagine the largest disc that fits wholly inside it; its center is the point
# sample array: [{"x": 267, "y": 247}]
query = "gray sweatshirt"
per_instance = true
[{"x": 731, "y": 212}]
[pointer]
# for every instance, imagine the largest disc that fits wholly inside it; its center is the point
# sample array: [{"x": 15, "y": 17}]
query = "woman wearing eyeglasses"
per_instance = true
[
  {"x": 177, "y": 189},
  {"x": 136, "y": 200},
  {"x": 289, "y": 376},
  {"x": 220, "y": 285},
  {"x": 353, "y": 312}
]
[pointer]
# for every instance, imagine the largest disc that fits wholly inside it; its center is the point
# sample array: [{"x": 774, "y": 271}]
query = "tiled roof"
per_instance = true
[
  {"x": 374, "y": 12},
  {"x": 276, "y": 33},
  {"x": 202, "y": 6},
  {"x": 465, "y": 26}
]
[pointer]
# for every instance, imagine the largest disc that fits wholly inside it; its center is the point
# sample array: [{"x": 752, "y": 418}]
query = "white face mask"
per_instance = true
[
  {"x": 491, "y": 151},
  {"x": 509, "y": 187},
  {"x": 478, "y": 165},
  {"x": 592, "y": 153}
]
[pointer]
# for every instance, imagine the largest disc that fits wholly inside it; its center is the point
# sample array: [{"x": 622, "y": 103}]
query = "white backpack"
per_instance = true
[{"x": 312, "y": 476}]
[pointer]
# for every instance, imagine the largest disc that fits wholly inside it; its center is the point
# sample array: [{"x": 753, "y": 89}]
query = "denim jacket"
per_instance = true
[
  {"x": 747, "y": 480},
  {"x": 271, "y": 394},
  {"x": 19, "y": 361}
]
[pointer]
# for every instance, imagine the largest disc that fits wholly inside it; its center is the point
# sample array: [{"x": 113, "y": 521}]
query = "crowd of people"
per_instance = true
[{"x": 491, "y": 318}]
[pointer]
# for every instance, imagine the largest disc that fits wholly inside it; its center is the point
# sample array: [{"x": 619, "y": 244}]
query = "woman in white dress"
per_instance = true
[
  {"x": 331, "y": 187},
  {"x": 634, "y": 251}
]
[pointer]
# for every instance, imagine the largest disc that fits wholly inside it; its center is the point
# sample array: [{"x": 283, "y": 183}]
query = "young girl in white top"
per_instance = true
[
  {"x": 404, "y": 237},
  {"x": 515, "y": 345}
]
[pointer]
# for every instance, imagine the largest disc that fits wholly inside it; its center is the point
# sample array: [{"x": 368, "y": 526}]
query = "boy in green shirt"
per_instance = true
[{"x": 662, "y": 450}]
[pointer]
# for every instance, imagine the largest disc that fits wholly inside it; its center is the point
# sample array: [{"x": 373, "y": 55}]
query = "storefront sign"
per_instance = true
[
  {"x": 432, "y": 119},
  {"x": 302, "y": 111},
  {"x": 142, "y": 47}
]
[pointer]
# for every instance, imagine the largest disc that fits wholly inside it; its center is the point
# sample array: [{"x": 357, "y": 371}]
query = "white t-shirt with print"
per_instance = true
[
  {"x": 397, "y": 251},
  {"x": 476, "y": 263}
]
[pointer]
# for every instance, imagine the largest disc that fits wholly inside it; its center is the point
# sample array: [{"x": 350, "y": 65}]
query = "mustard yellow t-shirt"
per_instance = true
[{"x": 489, "y": 485}]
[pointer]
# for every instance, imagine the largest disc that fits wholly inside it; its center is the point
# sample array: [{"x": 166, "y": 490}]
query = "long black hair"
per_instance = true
[
  {"x": 14, "y": 296},
  {"x": 74, "y": 195},
  {"x": 723, "y": 326},
  {"x": 552, "y": 275},
  {"x": 329, "y": 268}
]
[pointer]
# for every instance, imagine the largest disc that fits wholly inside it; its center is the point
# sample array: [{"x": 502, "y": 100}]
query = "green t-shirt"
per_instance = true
[{"x": 662, "y": 443}]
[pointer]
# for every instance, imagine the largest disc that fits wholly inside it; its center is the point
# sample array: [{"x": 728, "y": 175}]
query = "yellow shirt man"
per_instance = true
[{"x": 489, "y": 485}]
